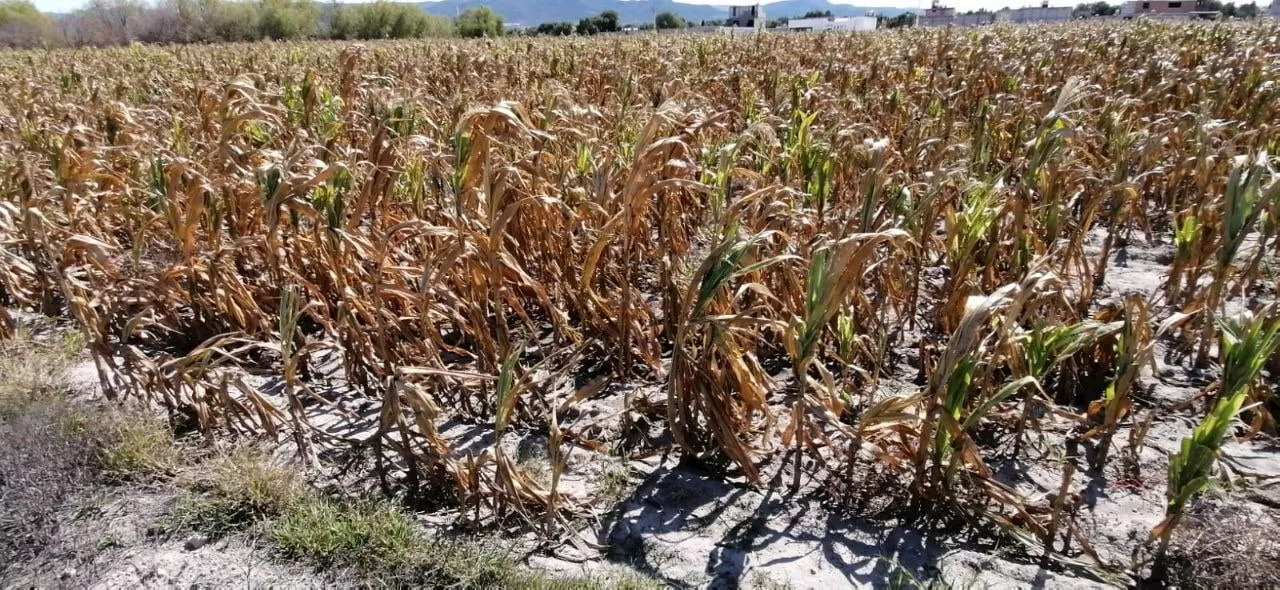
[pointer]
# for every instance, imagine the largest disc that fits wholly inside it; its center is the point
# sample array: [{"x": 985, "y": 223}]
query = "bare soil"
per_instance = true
[
  {"x": 111, "y": 540},
  {"x": 688, "y": 526}
]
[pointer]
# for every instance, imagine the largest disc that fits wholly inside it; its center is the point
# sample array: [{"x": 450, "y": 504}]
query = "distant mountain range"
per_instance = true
[{"x": 535, "y": 12}]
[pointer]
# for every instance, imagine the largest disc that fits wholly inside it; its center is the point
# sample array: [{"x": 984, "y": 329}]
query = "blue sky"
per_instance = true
[{"x": 69, "y": 5}]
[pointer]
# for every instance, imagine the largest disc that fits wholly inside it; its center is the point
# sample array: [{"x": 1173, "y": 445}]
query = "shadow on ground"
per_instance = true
[{"x": 693, "y": 529}]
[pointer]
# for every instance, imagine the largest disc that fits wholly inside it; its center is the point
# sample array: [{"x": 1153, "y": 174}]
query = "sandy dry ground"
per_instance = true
[
  {"x": 109, "y": 541},
  {"x": 692, "y": 528}
]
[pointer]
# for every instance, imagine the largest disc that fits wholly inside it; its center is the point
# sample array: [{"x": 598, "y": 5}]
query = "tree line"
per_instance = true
[
  {"x": 108, "y": 22},
  {"x": 607, "y": 22},
  {"x": 114, "y": 22}
]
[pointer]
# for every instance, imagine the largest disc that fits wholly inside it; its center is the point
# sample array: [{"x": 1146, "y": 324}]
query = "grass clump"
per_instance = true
[
  {"x": 238, "y": 491},
  {"x": 380, "y": 542},
  {"x": 244, "y": 491},
  {"x": 615, "y": 482},
  {"x": 138, "y": 447},
  {"x": 32, "y": 369},
  {"x": 367, "y": 537},
  {"x": 53, "y": 448}
]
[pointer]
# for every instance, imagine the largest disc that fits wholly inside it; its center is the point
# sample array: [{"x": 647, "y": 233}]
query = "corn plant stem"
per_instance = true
[
  {"x": 1213, "y": 302},
  {"x": 1068, "y": 470},
  {"x": 1104, "y": 254},
  {"x": 801, "y": 414},
  {"x": 1020, "y": 429},
  {"x": 920, "y": 485},
  {"x": 1249, "y": 277},
  {"x": 1160, "y": 565}
]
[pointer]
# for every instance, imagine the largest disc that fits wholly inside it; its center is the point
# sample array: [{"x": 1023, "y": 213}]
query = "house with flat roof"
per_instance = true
[
  {"x": 748, "y": 17},
  {"x": 1035, "y": 14},
  {"x": 937, "y": 15},
  {"x": 833, "y": 23},
  {"x": 1167, "y": 10},
  {"x": 941, "y": 16}
]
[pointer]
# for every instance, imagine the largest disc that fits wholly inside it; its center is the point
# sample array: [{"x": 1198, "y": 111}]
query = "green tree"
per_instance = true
[
  {"x": 287, "y": 19},
  {"x": 233, "y": 21},
  {"x": 1228, "y": 9},
  {"x": 384, "y": 20},
  {"x": 437, "y": 26},
  {"x": 607, "y": 22},
  {"x": 22, "y": 25},
  {"x": 669, "y": 20},
  {"x": 1089, "y": 9},
  {"x": 344, "y": 21},
  {"x": 818, "y": 14},
  {"x": 206, "y": 21},
  {"x": 557, "y": 28},
  {"x": 480, "y": 21},
  {"x": 905, "y": 19}
]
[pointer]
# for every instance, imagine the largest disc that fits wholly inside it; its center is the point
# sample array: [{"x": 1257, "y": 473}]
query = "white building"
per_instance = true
[
  {"x": 937, "y": 15},
  {"x": 941, "y": 16},
  {"x": 746, "y": 17},
  {"x": 974, "y": 19},
  {"x": 1167, "y": 10},
  {"x": 842, "y": 23}
]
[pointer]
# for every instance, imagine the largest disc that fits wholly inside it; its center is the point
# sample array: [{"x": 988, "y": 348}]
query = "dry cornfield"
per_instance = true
[{"x": 970, "y": 279}]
